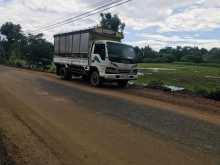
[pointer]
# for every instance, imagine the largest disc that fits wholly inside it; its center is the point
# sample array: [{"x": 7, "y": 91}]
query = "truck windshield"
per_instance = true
[{"x": 121, "y": 53}]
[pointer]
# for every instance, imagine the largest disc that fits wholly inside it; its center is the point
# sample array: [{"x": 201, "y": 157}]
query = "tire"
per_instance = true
[
  {"x": 65, "y": 74},
  {"x": 123, "y": 84},
  {"x": 57, "y": 70},
  {"x": 95, "y": 79}
]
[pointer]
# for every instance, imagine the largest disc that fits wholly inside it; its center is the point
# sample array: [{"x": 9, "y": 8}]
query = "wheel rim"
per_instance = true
[{"x": 95, "y": 79}]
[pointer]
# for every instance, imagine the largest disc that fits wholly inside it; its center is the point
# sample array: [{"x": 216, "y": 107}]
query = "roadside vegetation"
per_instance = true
[
  {"x": 24, "y": 50},
  {"x": 200, "y": 79},
  {"x": 179, "y": 54}
]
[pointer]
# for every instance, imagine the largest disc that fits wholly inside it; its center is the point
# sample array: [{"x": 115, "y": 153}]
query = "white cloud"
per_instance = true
[
  {"x": 165, "y": 15},
  {"x": 138, "y": 14},
  {"x": 195, "y": 15},
  {"x": 193, "y": 20}
]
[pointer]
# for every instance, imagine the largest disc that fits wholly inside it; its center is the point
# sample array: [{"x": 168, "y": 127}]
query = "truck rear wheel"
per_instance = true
[
  {"x": 58, "y": 70},
  {"x": 95, "y": 79},
  {"x": 65, "y": 74}
]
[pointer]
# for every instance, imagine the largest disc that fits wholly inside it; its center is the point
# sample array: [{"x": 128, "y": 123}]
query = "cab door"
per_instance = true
[{"x": 98, "y": 57}]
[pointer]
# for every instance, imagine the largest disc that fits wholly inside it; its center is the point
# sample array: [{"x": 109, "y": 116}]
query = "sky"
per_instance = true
[{"x": 157, "y": 23}]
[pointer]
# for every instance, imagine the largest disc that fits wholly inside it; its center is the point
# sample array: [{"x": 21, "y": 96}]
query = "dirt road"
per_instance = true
[{"x": 50, "y": 121}]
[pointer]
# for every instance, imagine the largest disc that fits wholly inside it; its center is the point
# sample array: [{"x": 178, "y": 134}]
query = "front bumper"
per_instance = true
[{"x": 119, "y": 77}]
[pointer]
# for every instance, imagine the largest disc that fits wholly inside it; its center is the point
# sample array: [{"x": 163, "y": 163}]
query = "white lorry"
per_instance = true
[{"x": 96, "y": 54}]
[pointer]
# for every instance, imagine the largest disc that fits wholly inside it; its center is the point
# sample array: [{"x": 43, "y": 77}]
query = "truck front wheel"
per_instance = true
[{"x": 95, "y": 79}]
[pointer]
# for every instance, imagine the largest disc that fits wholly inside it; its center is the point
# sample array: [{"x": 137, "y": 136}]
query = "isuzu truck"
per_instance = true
[{"x": 95, "y": 54}]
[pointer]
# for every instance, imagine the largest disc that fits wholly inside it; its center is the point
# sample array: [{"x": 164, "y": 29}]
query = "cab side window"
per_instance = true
[{"x": 100, "y": 49}]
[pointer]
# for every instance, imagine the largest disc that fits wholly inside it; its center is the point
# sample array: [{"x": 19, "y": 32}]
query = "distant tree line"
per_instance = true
[
  {"x": 178, "y": 54},
  {"x": 24, "y": 50}
]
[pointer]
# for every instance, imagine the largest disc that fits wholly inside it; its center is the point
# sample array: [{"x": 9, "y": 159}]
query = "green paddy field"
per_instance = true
[{"x": 197, "y": 78}]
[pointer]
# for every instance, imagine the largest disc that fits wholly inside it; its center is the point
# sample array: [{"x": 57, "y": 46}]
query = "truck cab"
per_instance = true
[{"x": 114, "y": 62}]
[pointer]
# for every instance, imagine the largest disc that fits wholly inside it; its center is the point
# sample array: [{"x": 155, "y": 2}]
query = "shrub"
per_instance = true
[
  {"x": 52, "y": 68},
  {"x": 155, "y": 84},
  {"x": 13, "y": 60},
  {"x": 20, "y": 63},
  {"x": 201, "y": 91},
  {"x": 192, "y": 58},
  {"x": 214, "y": 95}
]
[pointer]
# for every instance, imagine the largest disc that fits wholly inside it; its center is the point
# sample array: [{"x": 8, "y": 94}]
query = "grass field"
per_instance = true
[{"x": 193, "y": 77}]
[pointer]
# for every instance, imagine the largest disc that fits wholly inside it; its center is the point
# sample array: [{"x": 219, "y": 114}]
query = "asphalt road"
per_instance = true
[{"x": 57, "y": 122}]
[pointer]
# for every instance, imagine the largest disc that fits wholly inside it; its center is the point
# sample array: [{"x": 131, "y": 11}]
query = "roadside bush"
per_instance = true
[
  {"x": 160, "y": 59},
  {"x": 2, "y": 60},
  {"x": 52, "y": 68},
  {"x": 201, "y": 91},
  {"x": 192, "y": 58},
  {"x": 20, "y": 63},
  {"x": 156, "y": 84},
  {"x": 13, "y": 60},
  {"x": 213, "y": 56},
  {"x": 214, "y": 95}
]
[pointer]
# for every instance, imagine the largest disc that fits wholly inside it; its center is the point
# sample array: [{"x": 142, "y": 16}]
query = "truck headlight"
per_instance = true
[{"x": 110, "y": 70}]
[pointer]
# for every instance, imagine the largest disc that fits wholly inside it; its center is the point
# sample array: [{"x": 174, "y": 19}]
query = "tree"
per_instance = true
[
  {"x": 192, "y": 54},
  {"x": 20, "y": 48},
  {"x": 139, "y": 53},
  {"x": 2, "y": 43},
  {"x": 170, "y": 54},
  {"x": 112, "y": 22},
  {"x": 2, "y": 51},
  {"x": 40, "y": 51},
  {"x": 148, "y": 52},
  {"x": 213, "y": 56},
  {"x": 11, "y": 31},
  {"x": 14, "y": 37}
]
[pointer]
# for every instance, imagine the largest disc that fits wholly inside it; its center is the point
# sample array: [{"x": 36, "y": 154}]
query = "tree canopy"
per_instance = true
[
  {"x": 112, "y": 22},
  {"x": 11, "y": 31}
]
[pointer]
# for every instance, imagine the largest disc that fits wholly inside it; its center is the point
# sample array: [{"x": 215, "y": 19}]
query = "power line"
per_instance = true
[
  {"x": 85, "y": 15},
  {"x": 69, "y": 18},
  {"x": 100, "y": 11}
]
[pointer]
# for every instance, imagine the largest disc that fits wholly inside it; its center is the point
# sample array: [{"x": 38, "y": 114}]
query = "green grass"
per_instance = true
[{"x": 193, "y": 77}]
